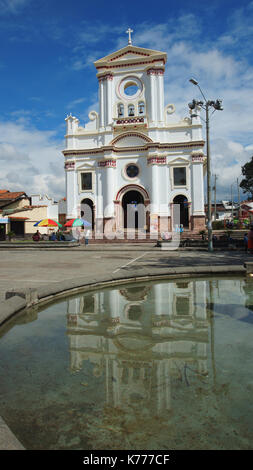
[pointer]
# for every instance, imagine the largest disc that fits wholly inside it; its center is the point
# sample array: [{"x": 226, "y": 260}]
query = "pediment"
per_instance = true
[
  {"x": 85, "y": 166},
  {"x": 128, "y": 55},
  {"x": 179, "y": 161},
  {"x": 132, "y": 54}
]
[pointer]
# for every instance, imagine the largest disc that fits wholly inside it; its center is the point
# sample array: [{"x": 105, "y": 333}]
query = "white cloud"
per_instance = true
[
  {"x": 12, "y": 6},
  {"x": 26, "y": 156},
  {"x": 73, "y": 103}
]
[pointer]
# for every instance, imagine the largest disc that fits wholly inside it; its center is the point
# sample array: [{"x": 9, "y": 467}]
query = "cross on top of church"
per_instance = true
[{"x": 129, "y": 31}]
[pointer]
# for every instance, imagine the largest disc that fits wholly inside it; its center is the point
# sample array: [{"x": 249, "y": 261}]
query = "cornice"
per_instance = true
[
  {"x": 142, "y": 148},
  {"x": 129, "y": 63}
]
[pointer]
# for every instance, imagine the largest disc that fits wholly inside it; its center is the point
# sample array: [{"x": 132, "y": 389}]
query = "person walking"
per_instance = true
[{"x": 87, "y": 236}]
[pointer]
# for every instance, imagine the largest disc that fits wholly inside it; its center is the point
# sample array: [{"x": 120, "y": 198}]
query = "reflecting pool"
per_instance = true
[{"x": 160, "y": 365}]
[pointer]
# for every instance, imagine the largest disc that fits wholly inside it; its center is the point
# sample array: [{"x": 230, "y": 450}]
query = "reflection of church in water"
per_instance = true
[{"x": 139, "y": 338}]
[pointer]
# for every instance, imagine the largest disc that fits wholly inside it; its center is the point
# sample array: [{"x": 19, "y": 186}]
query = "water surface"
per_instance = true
[{"x": 150, "y": 366}]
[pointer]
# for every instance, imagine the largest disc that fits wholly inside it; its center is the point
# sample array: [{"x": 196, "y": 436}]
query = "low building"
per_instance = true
[
  {"x": 247, "y": 210},
  {"x": 224, "y": 210},
  {"x": 45, "y": 200},
  {"x": 19, "y": 213},
  {"x": 11, "y": 202}
]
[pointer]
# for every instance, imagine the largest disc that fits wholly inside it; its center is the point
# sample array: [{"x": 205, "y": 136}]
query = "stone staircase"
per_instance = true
[{"x": 186, "y": 234}]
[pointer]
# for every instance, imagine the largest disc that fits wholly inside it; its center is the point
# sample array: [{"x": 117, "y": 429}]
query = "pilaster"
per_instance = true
[{"x": 71, "y": 188}]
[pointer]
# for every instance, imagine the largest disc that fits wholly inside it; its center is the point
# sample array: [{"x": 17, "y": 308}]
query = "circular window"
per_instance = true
[
  {"x": 130, "y": 88},
  {"x": 132, "y": 170}
]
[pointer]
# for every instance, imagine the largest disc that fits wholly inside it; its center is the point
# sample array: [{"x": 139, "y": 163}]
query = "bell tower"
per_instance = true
[{"x": 131, "y": 87}]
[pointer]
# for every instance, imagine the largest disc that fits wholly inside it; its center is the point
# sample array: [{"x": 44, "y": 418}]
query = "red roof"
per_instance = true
[
  {"x": 10, "y": 195},
  {"x": 17, "y": 218}
]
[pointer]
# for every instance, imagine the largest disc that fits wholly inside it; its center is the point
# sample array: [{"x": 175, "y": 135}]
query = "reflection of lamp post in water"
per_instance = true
[
  {"x": 211, "y": 317},
  {"x": 206, "y": 104}
]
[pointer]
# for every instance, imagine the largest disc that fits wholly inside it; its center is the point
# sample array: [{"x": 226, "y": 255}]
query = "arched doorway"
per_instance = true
[
  {"x": 87, "y": 211},
  {"x": 184, "y": 212},
  {"x": 134, "y": 210}
]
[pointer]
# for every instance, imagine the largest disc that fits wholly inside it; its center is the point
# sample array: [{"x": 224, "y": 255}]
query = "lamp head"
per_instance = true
[
  {"x": 218, "y": 105},
  {"x": 192, "y": 80},
  {"x": 192, "y": 104}
]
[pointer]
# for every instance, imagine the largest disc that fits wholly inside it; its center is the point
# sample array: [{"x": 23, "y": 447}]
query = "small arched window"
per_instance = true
[
  {"x": 120, "y": 110},
  {"x": 141, "y": 107},
  {"x": 131, "y": 110}
]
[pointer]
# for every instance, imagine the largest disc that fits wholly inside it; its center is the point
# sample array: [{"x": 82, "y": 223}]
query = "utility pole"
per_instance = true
[
  {"x": 209, "y": 193},
  {"x": 232, "y": 208},
  {"x": 239, "y": 200},
  {"x": 215, "y": 210},
  {"x": 216, "y": 105}
]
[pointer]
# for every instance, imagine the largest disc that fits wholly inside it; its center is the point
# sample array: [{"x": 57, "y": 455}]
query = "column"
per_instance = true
[
  {"x": 160, "y": 100},
  {"x": 108, "y": 84},
  {"x": 99, "y": 205},
  {"x": 71, "y": 190},
  {"x": 101, "y": 103},
  {"x": 109, "y": 204},
  {"x": 154, "y": 189},
  {"x": 200, "y": 301},
  {"x": 158, "y": 297},
  {"x": 153, "y": 97},
  {"x": 109, "y": 166},
  {"x": 154, "y": 201}
]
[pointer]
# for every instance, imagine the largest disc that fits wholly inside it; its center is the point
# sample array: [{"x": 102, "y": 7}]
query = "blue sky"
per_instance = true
[{"x": 46, "y": 65}]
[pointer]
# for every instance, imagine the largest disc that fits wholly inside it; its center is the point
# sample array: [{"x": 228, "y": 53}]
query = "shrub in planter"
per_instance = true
[{"x": 10, "y": 235}]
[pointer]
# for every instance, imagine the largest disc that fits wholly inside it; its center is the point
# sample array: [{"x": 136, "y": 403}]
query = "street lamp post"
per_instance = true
[{"x": 206, "y": 105}]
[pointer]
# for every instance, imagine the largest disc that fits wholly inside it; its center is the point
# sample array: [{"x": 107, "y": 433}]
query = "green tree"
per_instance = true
[{"x": 247, "y": 183}]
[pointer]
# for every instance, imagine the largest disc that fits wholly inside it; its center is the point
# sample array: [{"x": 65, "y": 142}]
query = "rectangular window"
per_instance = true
[
  {"x": 182, "y": 306},
  {"x": 86, "y": 181},
  {"x": 179, "y": 176}
]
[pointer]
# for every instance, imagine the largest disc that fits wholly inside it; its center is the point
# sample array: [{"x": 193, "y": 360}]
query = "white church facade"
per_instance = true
[{"x": 133, "y": 161}]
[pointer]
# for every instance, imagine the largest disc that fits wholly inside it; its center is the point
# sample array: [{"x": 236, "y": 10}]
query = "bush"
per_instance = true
[{"x": 10, "y": 234}]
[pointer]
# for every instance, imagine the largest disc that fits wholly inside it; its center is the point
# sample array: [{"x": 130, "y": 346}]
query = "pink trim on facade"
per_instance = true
[
  {"x": 198, "y": 158},
  {"x": 157, "y": 160},
  {"x": 129, "y": 121},
  {"x": 155, "y": 72},
  {"x": 107, "y": 76},
  {"x": 148, "y": 146},
  {"x": 107, "y": 163},
  {"x": 69, "y": 165}
]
